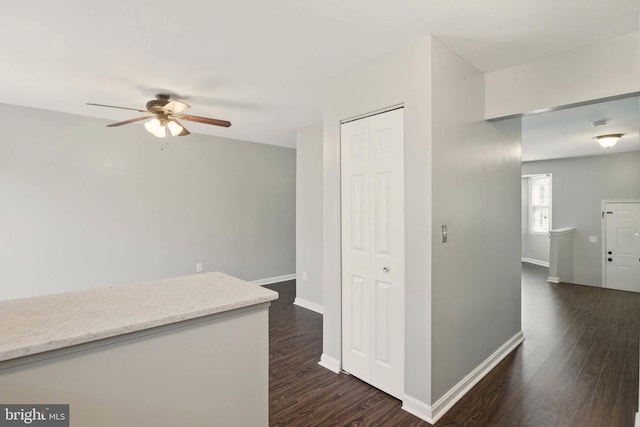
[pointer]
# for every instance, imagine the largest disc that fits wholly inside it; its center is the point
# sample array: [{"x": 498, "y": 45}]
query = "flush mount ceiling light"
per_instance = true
[{"x": 609, "y": 140}]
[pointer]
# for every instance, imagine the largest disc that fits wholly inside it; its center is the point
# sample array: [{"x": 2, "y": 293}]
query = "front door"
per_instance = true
[{"x": 622, "y": 246}]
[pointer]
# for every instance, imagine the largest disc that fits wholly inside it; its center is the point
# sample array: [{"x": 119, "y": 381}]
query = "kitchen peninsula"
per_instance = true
[{"x": 184, "y": 351}]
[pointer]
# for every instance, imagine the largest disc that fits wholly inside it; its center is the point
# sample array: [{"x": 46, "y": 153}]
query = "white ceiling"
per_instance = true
[
  {"x": 571, "y": 132},
  {"x": 262, "y": 63}
]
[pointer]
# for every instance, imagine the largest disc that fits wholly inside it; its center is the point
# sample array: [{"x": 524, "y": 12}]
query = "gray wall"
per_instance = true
[
  {"x": 309, "y": 215},
  {"x": 399, "y": 78},
  {"x": 84, "y": 205},
  {"x": 535, "y": 248},
  {"x": 462, "y": 299},
  {"x": 476, "y": 192},
  {"x": 579, "y": 185}
]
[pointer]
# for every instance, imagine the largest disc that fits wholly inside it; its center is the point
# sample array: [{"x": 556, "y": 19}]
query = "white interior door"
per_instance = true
[
  {"x": 372, "y": 153},
  {"x": 622, "y": 246}
]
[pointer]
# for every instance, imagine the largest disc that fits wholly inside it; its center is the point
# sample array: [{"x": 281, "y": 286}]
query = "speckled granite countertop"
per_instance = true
[{"x": 49, "y": 322}]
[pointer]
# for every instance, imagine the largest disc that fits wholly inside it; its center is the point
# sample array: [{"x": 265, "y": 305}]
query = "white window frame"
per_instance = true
[{"x": 531, "y": 206}]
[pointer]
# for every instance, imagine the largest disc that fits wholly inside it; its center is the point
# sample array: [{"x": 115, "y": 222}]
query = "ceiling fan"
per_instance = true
[{"x": 165, "y": 113}]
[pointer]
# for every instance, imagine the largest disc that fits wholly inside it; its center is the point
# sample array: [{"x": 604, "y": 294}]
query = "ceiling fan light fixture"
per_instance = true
[
  {"x": 164, "y": 114},
  {"x": 609, "y": 140},
  {"x": 174, "y": 127},
  {"x": 156, "y": 127}
]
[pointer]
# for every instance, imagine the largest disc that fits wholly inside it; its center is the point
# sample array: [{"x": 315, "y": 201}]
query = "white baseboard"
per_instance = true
[
  {"x": 432, "y": 414},
  {"x": 276, "y": 279},
  {"x": 452, "y": 396},
  {"x": 553, "y": 279},
  {"x": 330, "y": 363},
  {"x": 309, "y": 305},
  {"x": 637, "y": 424},
  {"x": 418, "y": 408},
  {"x": 535, "y": 261}
]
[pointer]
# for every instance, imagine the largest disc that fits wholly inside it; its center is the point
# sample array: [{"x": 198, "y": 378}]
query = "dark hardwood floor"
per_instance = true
[{"x": 578, "y": 366}]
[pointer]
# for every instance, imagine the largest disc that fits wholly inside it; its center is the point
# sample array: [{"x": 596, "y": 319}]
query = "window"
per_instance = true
[{"x": 539, "y": 204}]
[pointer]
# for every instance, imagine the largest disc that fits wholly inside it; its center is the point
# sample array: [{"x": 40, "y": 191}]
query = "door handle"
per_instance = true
[{"x": 385, "y": 269}]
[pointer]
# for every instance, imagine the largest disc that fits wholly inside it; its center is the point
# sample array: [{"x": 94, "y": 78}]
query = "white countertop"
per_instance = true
[{"x": 49, "y": 322}]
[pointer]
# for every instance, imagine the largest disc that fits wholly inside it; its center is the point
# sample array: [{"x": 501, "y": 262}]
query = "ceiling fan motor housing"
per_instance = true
[{"x": 155, "y": 105}]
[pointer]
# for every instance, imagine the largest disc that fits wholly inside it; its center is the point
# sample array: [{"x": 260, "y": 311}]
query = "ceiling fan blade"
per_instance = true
[
  {"x": 126, "y": 122},
  {"x": 174, "y": 107},
  {"x": 115, "y": 106},
  {"x": 205, "y": 120}
]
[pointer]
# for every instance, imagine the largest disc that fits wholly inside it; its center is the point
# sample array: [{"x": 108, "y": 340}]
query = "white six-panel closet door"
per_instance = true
[{"x": 372, "y": 153}]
